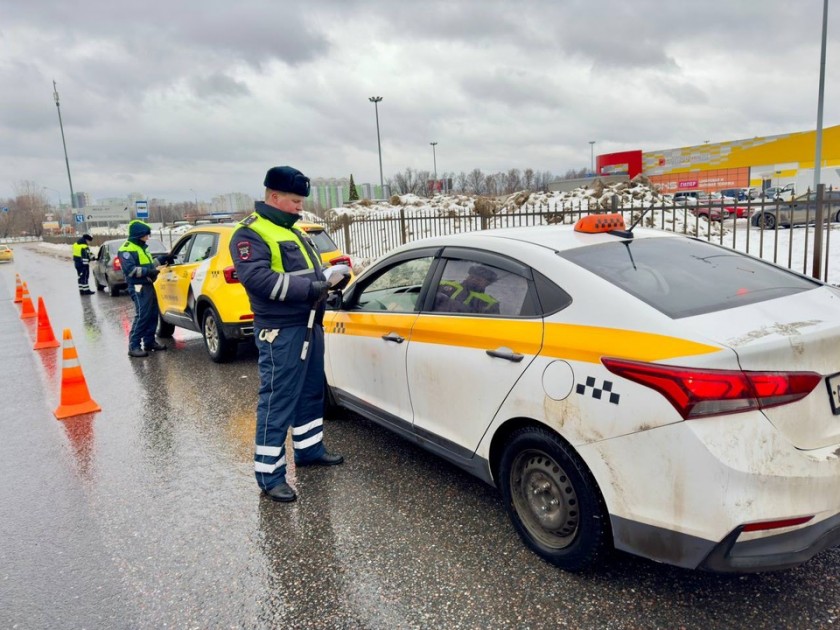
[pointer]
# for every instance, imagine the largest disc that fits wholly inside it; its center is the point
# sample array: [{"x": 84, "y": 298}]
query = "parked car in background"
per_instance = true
[
  {"x": 6, "y": 253},
  {"x": 106, "y": 268},
  {"x": 686, "y": 198},
  {"x": 786, "y": 192},
  {"x": 800, "y": 211},
  {"x": 198, "y": 288}
]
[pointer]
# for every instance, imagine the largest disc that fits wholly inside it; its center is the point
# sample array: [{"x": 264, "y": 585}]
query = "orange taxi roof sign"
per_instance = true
[{"x": 594, "y": 223}]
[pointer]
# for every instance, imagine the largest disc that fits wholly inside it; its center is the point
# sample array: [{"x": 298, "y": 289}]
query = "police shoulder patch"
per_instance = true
[
  {"x": 126, "y": 255},
  {"x": 244, "y": 250}
]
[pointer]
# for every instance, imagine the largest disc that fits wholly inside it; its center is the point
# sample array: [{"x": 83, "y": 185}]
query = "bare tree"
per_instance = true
[
  {"x": 461, "y": 182},
  {"x": 475, "y": 182},
  {"x": 528, "y": 178},
  {"x": 30, "y": 208}
]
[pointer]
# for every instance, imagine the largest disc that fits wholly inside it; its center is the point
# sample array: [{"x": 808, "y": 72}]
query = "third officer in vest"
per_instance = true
[
  {"x": 281, "y": 272},
  {"x": 81, "y": 260}
]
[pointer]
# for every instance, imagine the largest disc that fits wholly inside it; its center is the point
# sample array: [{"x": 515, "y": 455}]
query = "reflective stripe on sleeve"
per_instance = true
[{"x": 281, "y": 281}]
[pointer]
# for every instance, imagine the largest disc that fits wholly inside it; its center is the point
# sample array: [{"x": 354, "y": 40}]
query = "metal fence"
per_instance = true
[{"x": 367, "y": 237}]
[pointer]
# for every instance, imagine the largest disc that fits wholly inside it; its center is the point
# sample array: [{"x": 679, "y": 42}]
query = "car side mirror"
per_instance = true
[{"x": 334, "y": 300}]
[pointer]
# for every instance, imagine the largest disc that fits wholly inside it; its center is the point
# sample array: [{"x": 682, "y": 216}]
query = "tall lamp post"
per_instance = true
[
  {"x": 434, "y": 161},
  {"x": 376, "y": 100},
  {"x": 63, "y": 142},
  {"x": 592, "y": 156},
  {"x": 195, "y": 194}
]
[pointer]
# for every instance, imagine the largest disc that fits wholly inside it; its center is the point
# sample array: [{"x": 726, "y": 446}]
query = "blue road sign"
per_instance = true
[
  {"x": 141, "y": 209},
  {"x": 80, "y": 218},
  {"x": 5, "y": 209}
]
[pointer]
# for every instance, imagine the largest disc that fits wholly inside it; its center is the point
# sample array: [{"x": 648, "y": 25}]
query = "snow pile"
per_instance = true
[{"x": 636, "y": 196}]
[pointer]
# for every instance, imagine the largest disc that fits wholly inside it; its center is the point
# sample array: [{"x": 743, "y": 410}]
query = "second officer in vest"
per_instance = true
[
  {"x": 281, "y": 272},
  {"x": 140, "y": 271}
]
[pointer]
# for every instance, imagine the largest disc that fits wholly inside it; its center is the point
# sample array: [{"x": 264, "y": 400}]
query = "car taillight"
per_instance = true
[
  {"x": 341, "y": 260},
  {"x": 117, "y": 264},
  {"x": 231, "y": 277},
  {"x": 697, "y": 393}
]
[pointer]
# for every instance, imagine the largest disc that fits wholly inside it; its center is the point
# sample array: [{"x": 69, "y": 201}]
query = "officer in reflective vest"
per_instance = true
[
  {"x": 81, "y": 260},
  {"x": 140, "y": 271},
  {"x": 469, "y": 295},
  {"x": 281, "y": 272}
]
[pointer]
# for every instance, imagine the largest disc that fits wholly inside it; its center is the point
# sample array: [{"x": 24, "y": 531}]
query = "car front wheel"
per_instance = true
[
  {"x": 553, "y": 500},
  {"x": 112, "y": 288},
  {"x": 220, "y": 348}
]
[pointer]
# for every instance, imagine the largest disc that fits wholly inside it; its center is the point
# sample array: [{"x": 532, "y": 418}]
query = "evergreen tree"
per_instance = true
[{"x": 354, "y": 194}]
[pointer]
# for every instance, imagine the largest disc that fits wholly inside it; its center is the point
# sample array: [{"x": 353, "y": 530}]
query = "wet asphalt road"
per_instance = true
[{"x": 146, "y": 514}]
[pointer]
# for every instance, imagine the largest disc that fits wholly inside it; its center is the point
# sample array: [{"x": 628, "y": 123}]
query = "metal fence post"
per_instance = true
[
  {"x": 402, "y": 226},
  {"x": 349, "y": 249}
]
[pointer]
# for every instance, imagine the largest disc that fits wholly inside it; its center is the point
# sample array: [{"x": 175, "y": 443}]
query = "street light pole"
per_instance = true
[
  {"x": 434, "y": 159},
  {"x": 64, "y": 143},
  {"x": 592, "y": 156},
  {"x": 376, "y": 100},
  {"x": 818, "y": 156}
]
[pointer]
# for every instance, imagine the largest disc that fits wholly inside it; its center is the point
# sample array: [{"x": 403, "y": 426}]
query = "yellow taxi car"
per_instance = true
[
  {"x": 6, "y": 253},
  {"x": 198, "y": 288}
]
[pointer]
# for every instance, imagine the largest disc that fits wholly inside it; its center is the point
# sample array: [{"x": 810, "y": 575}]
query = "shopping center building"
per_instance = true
[{"x": 759, "y": 162}]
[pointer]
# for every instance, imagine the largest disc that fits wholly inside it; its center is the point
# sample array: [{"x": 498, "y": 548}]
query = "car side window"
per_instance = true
[
  {"x": 397, "y": 289},
  {"x": 179, "y": 253},
  {"x": 204, "y": 246},
  {"x": 477, "y": 288}
]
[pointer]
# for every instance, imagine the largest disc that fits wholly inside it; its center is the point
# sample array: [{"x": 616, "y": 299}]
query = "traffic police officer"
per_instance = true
[
  {"x": 281, "y": 272},
  {"x": 140, "y": 271},
  {"x": 81, "y": 259},
  {"x": 470, "y": 296}
]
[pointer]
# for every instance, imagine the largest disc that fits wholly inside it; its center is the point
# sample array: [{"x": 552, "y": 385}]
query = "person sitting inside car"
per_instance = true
[{"x": 469, "y": 295}]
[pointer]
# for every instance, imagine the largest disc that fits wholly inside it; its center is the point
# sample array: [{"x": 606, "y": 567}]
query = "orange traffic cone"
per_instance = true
[
  {"x": 75, "y": 397},
  {"x": 27, "y": 308},
  {"x": 46, "y": 336},
  {"x": 18, "y": 289}
]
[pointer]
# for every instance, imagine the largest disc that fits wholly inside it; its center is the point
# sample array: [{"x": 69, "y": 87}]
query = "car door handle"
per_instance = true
[
  {"x": 507, "y": 354},
  {"x": 393, "y": 337}
]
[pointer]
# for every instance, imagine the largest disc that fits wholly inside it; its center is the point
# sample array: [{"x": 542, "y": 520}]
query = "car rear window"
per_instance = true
[{"x": 684, "y": 277}]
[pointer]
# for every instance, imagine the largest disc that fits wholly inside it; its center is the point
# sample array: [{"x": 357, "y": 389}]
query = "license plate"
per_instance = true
[{"x": 833, "y": 384}]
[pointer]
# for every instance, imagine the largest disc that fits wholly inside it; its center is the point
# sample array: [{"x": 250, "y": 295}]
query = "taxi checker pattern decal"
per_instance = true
[
  {"x": 563, "y": 341},
  {"x": 597, "y": 392}
]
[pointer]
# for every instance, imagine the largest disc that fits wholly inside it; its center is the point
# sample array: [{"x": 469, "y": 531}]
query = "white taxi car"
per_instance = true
[{"x": 638, "y": 389}]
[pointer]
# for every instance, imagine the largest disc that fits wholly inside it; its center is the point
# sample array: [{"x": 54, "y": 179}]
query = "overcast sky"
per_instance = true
[{"x": 170, "y": 97}]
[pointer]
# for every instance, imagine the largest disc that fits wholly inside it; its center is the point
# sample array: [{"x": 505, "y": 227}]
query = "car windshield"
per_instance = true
[
  {"x": 322, "y": 241},
  {"x": 685, "y": 277}
]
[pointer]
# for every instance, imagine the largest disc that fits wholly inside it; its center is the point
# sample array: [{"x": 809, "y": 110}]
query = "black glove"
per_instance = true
[
  {"x": 318, "y": 290},
  {"x": 153, "y": 274}
]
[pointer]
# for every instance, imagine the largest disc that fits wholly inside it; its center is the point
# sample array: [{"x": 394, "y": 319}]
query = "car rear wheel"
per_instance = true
[
  {"x": 553, "y": 500},
  {"x": 165, "y": 330},
  {"x": 220, "y": 348},
  {"x": 112, "y": 288},
  {"x": 766, "y": 220}
]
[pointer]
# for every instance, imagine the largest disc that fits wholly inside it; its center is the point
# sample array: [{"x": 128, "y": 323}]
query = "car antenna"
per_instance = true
[{"x": 641, "y": 216}]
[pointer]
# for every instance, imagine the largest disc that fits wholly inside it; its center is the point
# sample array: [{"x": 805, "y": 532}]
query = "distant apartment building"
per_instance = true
[
  {"x": 81, "y": 200},
  {"x": 231, "y": 203},
  {"x": 333, "y": 192}
]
